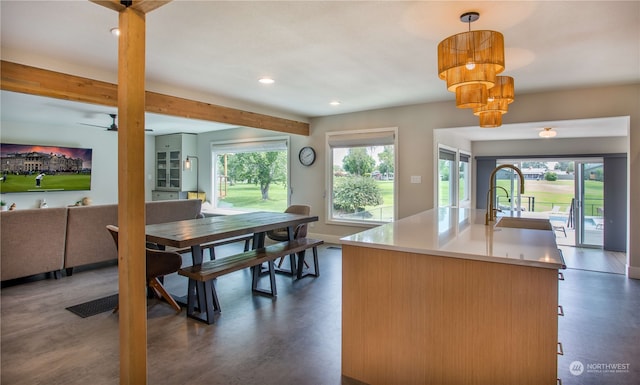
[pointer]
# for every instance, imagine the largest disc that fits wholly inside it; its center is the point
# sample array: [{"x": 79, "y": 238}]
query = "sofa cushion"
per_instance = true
[
  {"x": 88, "y": 240},
  {"x": 172, "y": 210},
  {"x": 32, "y": 241}
]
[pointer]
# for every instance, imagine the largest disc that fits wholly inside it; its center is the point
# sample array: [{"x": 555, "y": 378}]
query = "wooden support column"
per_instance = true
[{"x": 131, "y": 198}]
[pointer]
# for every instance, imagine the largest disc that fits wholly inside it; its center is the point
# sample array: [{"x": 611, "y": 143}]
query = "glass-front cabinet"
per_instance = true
[
  {"x": 174, "y": 170},
  {"x": 161, "y": 169},
  {"x": 171, "y": 153}
]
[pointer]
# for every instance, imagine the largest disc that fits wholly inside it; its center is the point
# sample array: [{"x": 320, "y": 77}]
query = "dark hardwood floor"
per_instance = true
[{"x": 293, "y": 339}]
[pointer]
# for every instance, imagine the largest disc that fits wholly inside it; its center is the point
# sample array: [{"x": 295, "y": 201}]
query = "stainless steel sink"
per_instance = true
[{"x": 524, "y": 223}]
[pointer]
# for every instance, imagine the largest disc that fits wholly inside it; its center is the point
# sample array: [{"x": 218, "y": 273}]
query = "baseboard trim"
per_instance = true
[
  {"x": 327, "y": 238},
  {"x": 633, "y": 272}
]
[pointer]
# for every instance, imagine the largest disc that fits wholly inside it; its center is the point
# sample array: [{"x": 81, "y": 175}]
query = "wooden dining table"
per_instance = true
[{"x": 195, "y": 233}]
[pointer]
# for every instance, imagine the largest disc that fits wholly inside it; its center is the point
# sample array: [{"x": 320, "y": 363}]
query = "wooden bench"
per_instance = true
[
  {"x": 202, "y": 289},
  {"x": 210, "y": 246}
]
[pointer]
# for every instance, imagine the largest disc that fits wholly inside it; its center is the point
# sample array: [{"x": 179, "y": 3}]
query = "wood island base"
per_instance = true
[{"x": 411, "y": 318}]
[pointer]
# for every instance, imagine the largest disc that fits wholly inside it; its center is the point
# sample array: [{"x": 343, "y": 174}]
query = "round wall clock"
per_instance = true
[{"x": 307, "y": 156}]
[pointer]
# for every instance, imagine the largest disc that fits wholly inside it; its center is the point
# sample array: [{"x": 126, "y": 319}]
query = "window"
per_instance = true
[
  {"x": 361, "y": 177},
  {"x": 251, "y": 175},
  {"x": 446, "y": 177},
  {"x": 454, "y": 178},
  {"x": 464, "y": 178}
]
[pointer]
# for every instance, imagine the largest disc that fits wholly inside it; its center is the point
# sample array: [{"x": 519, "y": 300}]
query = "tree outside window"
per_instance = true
[
  {"x": 362, "y": 180},
  {"x": 251, "y": 176}
]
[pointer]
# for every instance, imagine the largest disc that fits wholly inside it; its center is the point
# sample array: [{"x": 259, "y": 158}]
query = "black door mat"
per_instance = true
[{"x": 94, "y": 307}]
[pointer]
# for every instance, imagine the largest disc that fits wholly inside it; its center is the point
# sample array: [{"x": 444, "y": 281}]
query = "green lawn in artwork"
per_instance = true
[{"x": 58, "y": 182}]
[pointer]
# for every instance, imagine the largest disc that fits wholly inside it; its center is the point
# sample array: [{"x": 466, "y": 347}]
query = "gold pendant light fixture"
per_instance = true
[
  {"x": 499, "y": 97},
  {"x": 469, "y": 62}
]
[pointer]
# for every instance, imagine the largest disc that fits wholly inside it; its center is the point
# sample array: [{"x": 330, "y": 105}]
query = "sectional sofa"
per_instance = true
[{"x": 39, "y": 241}]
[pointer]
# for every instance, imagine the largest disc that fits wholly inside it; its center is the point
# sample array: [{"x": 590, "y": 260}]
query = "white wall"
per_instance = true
[
  {"x": 104, "y": 173},
  {"x": 416, "y": 145},
  {"x": 607, "y": 145},
  {"x": 415, "y": 150}
]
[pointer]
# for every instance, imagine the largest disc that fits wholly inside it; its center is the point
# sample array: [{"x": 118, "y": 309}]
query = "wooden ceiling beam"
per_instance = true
[
  {"x": 144, "y": 6},
  {"x": 36, "y": 81},
  {"x": 111, "y": 4},
  {"x": 185, "y": 108}
]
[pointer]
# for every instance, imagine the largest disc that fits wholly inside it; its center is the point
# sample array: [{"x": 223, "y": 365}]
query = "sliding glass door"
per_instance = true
[
  {"x": 589, "y": 207},
  {"x": 568, "y": 192},
  {"x": 585, "y": 199}
]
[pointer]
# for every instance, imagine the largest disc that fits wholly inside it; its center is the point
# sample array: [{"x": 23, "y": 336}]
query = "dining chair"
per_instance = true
[
  {"x": 159, "y": 263},
  {"x": 282, "y": 235}
]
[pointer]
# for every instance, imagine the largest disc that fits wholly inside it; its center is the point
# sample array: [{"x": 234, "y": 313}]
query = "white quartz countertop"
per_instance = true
[{"x": 461, "y": 233}]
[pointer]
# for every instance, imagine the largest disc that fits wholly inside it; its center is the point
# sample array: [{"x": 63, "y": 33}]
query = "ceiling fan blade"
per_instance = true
[
  {"x": 113, "y": 127},
  {"x": 93, "y": 125}
]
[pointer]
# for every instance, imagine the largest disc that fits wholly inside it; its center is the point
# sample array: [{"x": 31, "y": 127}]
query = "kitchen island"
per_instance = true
[{"x": 441, "y": 298}]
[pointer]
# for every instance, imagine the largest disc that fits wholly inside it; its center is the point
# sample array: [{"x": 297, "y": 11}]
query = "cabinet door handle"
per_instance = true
[
  {"x": 560, "y": 311},
  {"x": 560, "y": 351},
  {"x": 560, "y": 276}
]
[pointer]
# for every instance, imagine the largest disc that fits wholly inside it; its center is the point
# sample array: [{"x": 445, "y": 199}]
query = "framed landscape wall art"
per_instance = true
[{"x": 33, "y": 168}]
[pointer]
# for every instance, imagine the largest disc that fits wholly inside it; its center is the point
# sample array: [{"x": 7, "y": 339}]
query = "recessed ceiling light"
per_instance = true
[
  {"x": 115, "y": 31},
  {"x": 266, "y": 80},
  {"x": 335, "y": 102},
  {"x": 547, "y": 133}
]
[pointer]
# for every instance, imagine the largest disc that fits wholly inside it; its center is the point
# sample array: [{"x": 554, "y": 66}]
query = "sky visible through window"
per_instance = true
[{"x": 340, "y": 153}]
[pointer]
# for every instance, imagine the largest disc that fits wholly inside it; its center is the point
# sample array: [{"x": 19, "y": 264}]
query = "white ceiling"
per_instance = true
[{"x": 365, "y": 54}]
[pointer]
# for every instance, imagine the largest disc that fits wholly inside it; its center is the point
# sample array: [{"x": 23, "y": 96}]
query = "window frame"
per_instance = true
[
  {"x": 367, "y": 136},
  {"x": 247, "y": 145},
  {"x": 462, "y": 202},
  {"x": 453, "y": 174},
  {"x": 455, "y": 200}
]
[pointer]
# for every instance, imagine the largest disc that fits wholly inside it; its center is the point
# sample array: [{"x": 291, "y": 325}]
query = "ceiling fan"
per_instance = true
[{"x": 113, "y": 126}]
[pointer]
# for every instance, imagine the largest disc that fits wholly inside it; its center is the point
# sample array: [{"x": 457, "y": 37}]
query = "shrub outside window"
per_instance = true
[{"x": 361, "y": 177}]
